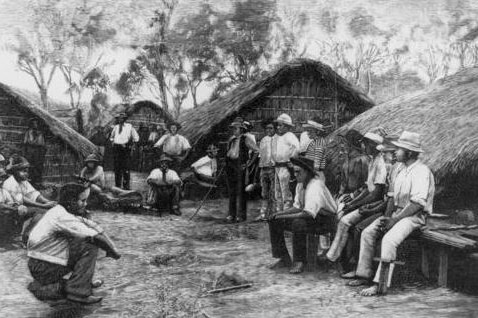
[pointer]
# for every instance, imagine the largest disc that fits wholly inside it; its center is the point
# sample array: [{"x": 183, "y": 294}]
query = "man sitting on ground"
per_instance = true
[
  {"x": 23, "y": 193},
  {"x": 65, "y": 241},
  {"x": 174, "y": 145},
  {"x": 204, "y": 170},
  {"x": 10, "y": 211},
  {"x": 413, "y": 192},
  {"x": 313, "y": 207},
  {"x": 165, "y": 187}
]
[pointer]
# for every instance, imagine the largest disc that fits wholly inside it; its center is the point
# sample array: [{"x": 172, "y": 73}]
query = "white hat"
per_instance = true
[
  {"x": 284, "y": 119},
  {"x": 314, "y": 125},
  {"x": 410, "y": 141},
  {"x": 374, "y": 137}
]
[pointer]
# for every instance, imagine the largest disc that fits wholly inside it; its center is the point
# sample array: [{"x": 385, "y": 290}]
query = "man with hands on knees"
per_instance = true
[{"x": 314, "y": 206}]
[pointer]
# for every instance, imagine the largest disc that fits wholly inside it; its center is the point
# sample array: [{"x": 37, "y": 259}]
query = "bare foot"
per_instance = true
[
  {"x": 371, "y": 291},
  {"x": 358, "y": 282},
  {"x": 297, "y": 268},
  {"x": 281, "y": 263},
  {"x": 349, "y": 275}
]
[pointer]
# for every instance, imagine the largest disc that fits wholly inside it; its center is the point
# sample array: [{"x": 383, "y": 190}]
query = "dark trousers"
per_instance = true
[
  {"x": 236, "y": 177},
  {"x": 81, "y": 264},
  {"x": 36, "y": 157},
  {"x": 167, "y": 197},
  {"x": 299, "y": 229},
  {"x": 122, "y": 162}
]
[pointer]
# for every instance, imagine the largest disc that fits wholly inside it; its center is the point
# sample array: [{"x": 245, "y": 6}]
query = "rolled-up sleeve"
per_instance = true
[
  {"x": 420, "y": 187},
  {"x": 75, "y": 226},
  {"x": 30, "y": 192}
]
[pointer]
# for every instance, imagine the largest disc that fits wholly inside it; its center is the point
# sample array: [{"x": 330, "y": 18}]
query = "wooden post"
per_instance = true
[
  {"x": 383, "y": 278},
  {"x": 312, "y": 248},
  {"x": 425, "y": 263},
  {"x": 443, "y": 267}
]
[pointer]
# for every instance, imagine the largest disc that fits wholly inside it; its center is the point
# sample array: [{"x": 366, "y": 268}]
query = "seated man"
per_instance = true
[
  {"x": 204, "y": 170},
  {"x": 65, "y": 241},
  {"x": 10, "y": 211},
  {"x": 23, "y": 193},
  {"x": 313, "y": 206},
  {"x": 174, "y": 145},
  {"x": 165, "y": 187},
  {"x": 413, "y": 192},
  {"x": 377, "y": 177}
]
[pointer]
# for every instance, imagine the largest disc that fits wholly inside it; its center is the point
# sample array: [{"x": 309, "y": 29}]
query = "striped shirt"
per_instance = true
[{"x": 316, "y": 151}]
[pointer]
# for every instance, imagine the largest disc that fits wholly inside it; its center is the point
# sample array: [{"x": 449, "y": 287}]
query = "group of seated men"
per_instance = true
[{"x": 395, "y": 201}]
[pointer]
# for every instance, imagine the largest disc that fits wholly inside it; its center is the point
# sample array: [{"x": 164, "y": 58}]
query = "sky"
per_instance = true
[{"x": 387, "y": 14}]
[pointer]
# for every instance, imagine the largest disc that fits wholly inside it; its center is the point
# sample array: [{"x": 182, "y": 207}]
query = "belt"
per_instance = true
[{"x": 282, "y": 164}]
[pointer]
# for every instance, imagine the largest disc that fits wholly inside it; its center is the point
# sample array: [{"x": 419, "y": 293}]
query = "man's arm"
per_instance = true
[
  {"x": 373, "y": 196},
  {"x": 104, "y": 242},
  {"x": 134, "y": 135}
]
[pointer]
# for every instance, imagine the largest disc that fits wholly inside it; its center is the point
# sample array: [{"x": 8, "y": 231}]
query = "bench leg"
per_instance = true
[
  {"x": 443, "y": 267},
  {"x": 312, "y": 248},
  {"x": 425, "y": 264}
]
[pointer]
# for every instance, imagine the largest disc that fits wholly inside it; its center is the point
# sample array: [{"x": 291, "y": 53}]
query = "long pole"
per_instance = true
[{"x": 207, "y": 194}]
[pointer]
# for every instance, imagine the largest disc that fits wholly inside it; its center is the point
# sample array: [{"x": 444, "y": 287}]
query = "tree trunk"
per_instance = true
[
  {"x": 162, "y": 91},
  {"x": 193, "y": 94},
  {"x": 44, "y": 97},
  {"x": 79, "y": 121}
]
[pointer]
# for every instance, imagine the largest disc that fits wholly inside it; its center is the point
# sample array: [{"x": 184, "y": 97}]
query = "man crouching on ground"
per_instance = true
[
  {"x": 65, "y": 241},
  {"x": 313, "y": 207}
]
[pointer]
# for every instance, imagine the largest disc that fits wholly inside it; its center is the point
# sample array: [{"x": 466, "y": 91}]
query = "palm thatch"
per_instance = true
[
  {"x": 199, "y": 122},
  {"x": 29, "y": 103},
  {"x": 446, "y": 116}
]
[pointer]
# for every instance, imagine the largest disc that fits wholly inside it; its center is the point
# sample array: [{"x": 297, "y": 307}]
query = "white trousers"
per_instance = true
[
  {"x": 282, "y": 190},
  {"x": 342, "y": 235}
]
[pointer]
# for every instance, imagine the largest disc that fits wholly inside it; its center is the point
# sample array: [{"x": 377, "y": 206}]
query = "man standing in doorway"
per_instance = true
[{"x": 122, "y": 137}]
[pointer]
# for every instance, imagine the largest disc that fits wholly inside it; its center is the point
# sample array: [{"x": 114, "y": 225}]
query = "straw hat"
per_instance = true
[
  {"x": 305, "y": 163},
  {"x": 314, "y": 125},
  {"x": 410, "y": 141},
  {"x": 238, "y": 122},
  {"x": 92, "y": 158},
  {"x": 17, "y": 163},
  {"x": 285, "y": 119},
  {"x": 165, "y": 158},
  {"x": 387, "y": 145},
  {"x": 248, "y": 125}
]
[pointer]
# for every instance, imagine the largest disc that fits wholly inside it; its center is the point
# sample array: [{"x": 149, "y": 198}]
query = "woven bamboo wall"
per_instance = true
[
  {"x": 146, "y": 116},
  {"x": 61, "y": 161}
]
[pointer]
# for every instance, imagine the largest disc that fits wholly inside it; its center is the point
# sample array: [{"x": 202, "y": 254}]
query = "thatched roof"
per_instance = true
[
  {"x": 446, "y": 116},
  {"x": 200, "y": 121},
  {"x": 131, "y": 109},
  {"x": 78, "y": 143}
]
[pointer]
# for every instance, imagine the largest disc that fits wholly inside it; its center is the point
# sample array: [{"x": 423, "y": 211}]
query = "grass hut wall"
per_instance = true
[
  {"x": 446, "y": 117},
  {"x": 303, "y": 89},
  {"x": 66, "y": 149}
]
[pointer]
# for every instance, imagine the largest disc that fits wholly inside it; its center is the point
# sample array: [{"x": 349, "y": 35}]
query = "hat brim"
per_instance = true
[
  {"x": 284, "y": 122},
  {"x": 17, "y": 167},
  {"x": 407, "y": 146},
  {"x": 373, "y": 137},
  {"x": 235, "y": 124},
  {"x": 313, "y": 127},
  {"x": 386, "y": 148},
  {"x": 300, "y": 163}
]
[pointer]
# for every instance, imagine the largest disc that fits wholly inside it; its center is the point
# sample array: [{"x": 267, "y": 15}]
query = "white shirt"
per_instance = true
[
  {"x": 128, "y": 133},
  {"x": 173, "y": 145},
  {"x": 377, "y": 172},
  {"x": 157, "y": 176},
  {"x": 45, "y": 243},
  {"x": 265, "y": 152},
  {"x": 206, "y": 166},
  {"x": 21, "y": 190},
  {"x": 416, "y": 184},
  {"x": 284, "y": 147},
  {"x": 392, "y": 176},
  {"x": 5, "y": 197},
  {"x": 304, "y": 141},
  {"x": 314, "y": 198}
]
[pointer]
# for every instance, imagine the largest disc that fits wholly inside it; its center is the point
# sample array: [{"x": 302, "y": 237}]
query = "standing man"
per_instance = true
[
  {"x": 413, "y": 193},
  {"x": 285, "y": 146},
  {"x": 267, "y": 171},
  {"x": 317, "y": 147},
  {"x": 237, "y": 160},
  {"x": 313, "y": 206},
  {"x": 35, "y": 150},
  {"x": 174, "y": 145},
  {"x": 122, "y": 137}
]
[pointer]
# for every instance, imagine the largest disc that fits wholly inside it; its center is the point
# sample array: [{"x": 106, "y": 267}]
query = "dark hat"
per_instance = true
[
  {"x": 178, "y": 126},
  {"x": 17, "y": 163},
  {"x": 305, "y": 163},
  {"x": 92, "y": 158},
  {"x": 238, "y": 122},
  {"x": 353, "y": 138}
]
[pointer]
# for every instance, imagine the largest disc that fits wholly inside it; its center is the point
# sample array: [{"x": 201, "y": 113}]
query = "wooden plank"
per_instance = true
[
  {"x": 292, "y": 97},
  {"x": 443, "y": 267},
  {"x": 425, "y": 263},
  {"x": 312, "y": 248},
  {"x": 449, "y": 239}
]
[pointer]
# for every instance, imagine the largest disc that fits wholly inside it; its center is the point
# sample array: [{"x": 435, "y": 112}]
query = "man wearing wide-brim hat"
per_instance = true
[
  {"x": 313, "y": 207},
  {"x": 23, "y": 193},
  {"x": 237, "y": 161},
  {"x": 174, "y": 145},
  {"x": 317, "y": 146},
  {"x": 285, "y": 146},
  {"x": 413, "y": 193},
  {"x": 122, "y": 137},
  {"x": 372, "y": 191},
  {"x": 165, "y": 187}
]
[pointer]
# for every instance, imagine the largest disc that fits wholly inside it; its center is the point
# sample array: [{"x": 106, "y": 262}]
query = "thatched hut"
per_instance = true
[
  {"x": 303, "y": 89},
  {"x": 65, "y": 147},
  {"x": 446, "y": 116}
]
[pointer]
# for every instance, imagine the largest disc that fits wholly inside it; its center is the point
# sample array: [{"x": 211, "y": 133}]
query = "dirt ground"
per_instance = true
[{"x": 169, "y": 263}]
